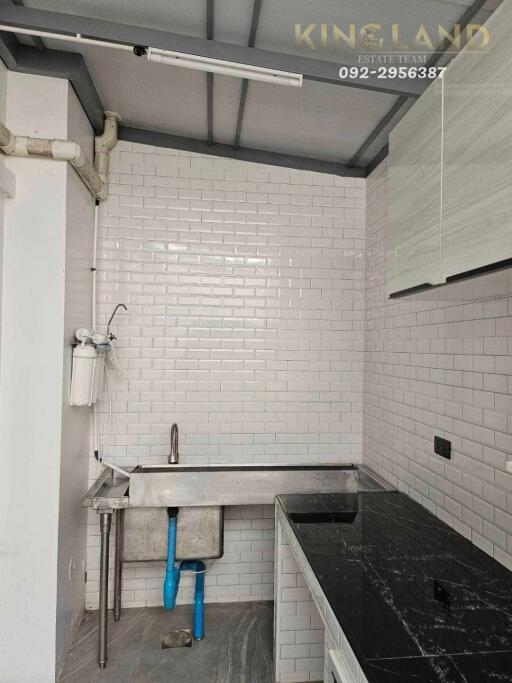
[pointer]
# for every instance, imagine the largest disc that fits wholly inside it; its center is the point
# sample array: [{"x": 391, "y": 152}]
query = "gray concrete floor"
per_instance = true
[{"x": 237, "y": 647}]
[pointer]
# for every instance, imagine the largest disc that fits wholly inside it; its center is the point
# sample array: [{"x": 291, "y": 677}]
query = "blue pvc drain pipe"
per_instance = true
[
  {"x": 199, "y": 568},
  {"x": 173, "y": 574}
]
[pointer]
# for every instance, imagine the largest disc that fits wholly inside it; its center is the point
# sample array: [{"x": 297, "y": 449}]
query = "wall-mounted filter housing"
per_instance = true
[{"x": 87, "y": 375}]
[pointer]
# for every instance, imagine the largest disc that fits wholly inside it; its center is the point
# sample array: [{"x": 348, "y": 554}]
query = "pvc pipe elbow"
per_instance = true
[
  {"x": 19, "y": 146},
  {"x": 10, "y": 146},
  {"x": 67, "y": 151},
  {"x": 103, "y": 193},
  {"x": 105, "y": 141},
  {"x": 6, "y": 137}
]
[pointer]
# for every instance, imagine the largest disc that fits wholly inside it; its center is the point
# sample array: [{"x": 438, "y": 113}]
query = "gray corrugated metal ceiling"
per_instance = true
[{"x": 320, "y": 121}]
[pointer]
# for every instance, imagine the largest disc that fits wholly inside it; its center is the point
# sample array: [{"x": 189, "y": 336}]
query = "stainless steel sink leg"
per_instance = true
[
  {"x": 118, "y": 566},
  {"x": 105, "y": 525}
]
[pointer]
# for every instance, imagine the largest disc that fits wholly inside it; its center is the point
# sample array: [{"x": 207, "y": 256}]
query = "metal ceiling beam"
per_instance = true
[
  {"x": 256, "y": 9},
  {"x": 385, "y": 120},
  {"x": 210, "y": 14},
  {"x": 209, "y": 107},
  {"x": 9, "y": 49},
  {"x": 36, "y": 40},
  {"x": 241, "y": 110},
  {"x": 209, "y": 76},
  {"x": 258, "y": 156},
  {"x": 377, "y": 159},
  {"x": 69, "y": 65},
  {"x": 54, "y": 63},
  {"x": 464, "y": 20},
  {"x": 312, "y": 69}
]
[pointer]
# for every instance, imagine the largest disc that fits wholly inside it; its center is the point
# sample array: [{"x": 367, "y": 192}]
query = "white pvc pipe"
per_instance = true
[
  {"x": 96, "y": 444},
  {"x": 70, "y": 38},
  {"x": 104, "y": 143},
  {"x": 66, "y": 150},
  {"x": 94, "y": 177},
  {"x": 61, "y": 150},
  {"x": 102, "y": 146},
  {"x": 94, "y": 261}
]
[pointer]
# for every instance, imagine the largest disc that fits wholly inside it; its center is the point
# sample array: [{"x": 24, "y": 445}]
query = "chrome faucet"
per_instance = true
[
  {"x": 174, "y": 457},
  {"x": 111, "y": 336}
]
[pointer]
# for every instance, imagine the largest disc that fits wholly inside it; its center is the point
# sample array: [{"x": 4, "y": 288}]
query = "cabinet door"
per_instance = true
[
  {"x": 477, "y": 165},
  {"x": 414, "y": 213}
]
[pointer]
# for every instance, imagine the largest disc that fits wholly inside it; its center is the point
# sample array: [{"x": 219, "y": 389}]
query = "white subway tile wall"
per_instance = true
[
  {"x": 245, "y": 290},
  {"x": 439, "y": 369}
]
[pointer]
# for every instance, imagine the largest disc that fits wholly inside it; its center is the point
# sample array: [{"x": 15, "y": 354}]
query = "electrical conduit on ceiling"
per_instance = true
[{"x": 93, "y": 176}]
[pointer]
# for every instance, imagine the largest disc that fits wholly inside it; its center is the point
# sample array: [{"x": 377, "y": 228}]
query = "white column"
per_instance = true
[{"x": 32, "y": 387}]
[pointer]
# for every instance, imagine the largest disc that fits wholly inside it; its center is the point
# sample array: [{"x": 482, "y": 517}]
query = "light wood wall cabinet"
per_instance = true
[
  {"x": 413, "y": 244},
  {"x": 477, "y": 150},
  {"x": 457, "y": 145}
]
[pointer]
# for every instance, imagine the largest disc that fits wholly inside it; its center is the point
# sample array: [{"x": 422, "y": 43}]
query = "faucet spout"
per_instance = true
[
  {"x": 174, "y": 457},
  {"x": 111, "y": 336}
]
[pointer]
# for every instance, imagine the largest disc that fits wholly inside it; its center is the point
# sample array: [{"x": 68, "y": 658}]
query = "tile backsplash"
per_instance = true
[
  {"x": 245, "y": 290},
  {"x": 256, "y": 313},
  {"x": 439, "y": 368}
]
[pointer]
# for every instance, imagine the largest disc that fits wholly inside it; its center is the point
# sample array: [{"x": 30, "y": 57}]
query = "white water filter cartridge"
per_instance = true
[{"x": 83, "y": 374}]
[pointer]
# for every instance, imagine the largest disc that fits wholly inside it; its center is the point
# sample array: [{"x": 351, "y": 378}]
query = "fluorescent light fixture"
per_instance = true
[
  {"x": 180, "y": 59},
  {"x": 221, "y": 66}
]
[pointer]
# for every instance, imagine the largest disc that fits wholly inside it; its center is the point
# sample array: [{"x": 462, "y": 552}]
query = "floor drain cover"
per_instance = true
[{"x": 179, "y": 638}]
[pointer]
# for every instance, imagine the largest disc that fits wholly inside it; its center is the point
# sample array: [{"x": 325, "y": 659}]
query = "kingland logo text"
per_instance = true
[{"x": 375, "y": 36}]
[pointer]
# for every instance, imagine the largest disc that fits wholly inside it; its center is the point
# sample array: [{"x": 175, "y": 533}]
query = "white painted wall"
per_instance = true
[
  {"x": 74, "y": 464},
  {"x": 3, "y": 101},
  {"x": 31, "y": 389},
  {"x": 40, "y": 296}
]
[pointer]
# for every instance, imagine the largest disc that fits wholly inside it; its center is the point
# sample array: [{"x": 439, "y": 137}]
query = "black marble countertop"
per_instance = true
[{"x": 416, "y": 600}]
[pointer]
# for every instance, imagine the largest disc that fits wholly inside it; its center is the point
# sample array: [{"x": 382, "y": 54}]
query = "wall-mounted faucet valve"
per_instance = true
[
  {"x": 110, "y": 336},
  {"x": 174, "y": 456}
]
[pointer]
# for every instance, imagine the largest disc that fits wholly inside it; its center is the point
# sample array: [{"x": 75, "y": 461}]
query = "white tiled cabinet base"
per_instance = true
[
  {"x": 303, "y": 617},
  {"x": 298, "y": 628}
]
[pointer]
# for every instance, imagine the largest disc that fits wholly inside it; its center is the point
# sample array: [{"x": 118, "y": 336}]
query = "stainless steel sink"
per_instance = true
[
  {"x": 207, "y": 485},
  {"x": 190, "y": 485}
]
